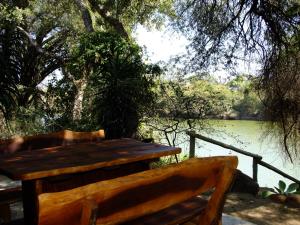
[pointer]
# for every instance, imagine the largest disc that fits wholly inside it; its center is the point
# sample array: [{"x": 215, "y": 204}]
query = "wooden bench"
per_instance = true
[
  {"x": 12, "y": 194},
  {"x": 163, "y": 196}
]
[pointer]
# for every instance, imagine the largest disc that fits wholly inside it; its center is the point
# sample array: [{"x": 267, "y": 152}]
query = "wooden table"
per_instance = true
[{"x": 65, "y": 167}]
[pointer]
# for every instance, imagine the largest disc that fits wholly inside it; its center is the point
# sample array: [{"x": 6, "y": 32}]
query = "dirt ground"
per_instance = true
[{"x": 260, "y": 211}]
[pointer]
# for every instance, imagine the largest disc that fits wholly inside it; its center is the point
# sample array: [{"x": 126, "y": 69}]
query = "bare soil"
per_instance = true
[{"x": 260, "y": 211}]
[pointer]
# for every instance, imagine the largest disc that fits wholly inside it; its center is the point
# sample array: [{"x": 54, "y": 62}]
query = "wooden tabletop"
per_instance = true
[{"x": 29, "y": 165}]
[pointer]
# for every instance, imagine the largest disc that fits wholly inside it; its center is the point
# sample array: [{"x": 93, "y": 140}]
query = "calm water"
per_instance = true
[{"x": 249, "y": 136}]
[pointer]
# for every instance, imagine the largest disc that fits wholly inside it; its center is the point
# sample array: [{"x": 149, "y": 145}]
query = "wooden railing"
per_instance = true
[{"x": 257, "y": 159}]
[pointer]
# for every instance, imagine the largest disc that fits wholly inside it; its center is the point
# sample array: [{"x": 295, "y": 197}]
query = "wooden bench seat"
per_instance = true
[
  {"x": 13, "y": 193},
  {"x": 160, "y": 196}
]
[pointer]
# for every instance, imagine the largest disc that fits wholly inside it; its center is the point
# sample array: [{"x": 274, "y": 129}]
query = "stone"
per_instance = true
[
  {"x": 244, "y": 184},
  {"x": 293, "y": 200},
  {"x": 279, "y": 198}
]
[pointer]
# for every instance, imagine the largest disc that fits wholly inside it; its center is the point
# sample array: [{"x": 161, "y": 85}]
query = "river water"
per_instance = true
[{"x": 249, "y": 136}]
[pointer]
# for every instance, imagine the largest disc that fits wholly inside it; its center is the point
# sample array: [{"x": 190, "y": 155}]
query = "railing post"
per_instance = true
[
  {"x": 192, "y": 144},
  {"x": 255, "y": 168}
]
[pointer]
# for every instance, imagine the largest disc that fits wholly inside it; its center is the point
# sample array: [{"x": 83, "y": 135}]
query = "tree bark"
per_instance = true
[
  {"x": 87, "y": 20},
  {"x": 80, "y": 86},
  {"x": 115, "y": 23},
  {"x": 78, "y": 102}
]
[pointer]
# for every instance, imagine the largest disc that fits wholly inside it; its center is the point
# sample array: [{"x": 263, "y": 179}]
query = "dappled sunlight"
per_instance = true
[{"x": 260, "y": 211}]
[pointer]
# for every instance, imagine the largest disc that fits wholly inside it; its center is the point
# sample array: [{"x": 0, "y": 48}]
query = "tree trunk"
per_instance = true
[
  {"x": 114, "y": 22},
  {"x": 78, "y": 102},
  {"x": 87, "y": 20}
]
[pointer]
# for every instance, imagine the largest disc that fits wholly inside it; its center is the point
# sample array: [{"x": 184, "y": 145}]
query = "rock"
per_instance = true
[
  {"x": 278, "y": 198},
  {"x": 244, "y": 184},
  {"x": 293, "y": 200}
]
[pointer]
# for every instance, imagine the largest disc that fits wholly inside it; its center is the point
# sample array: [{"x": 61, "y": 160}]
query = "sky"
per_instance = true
[{"x": 161, "y": 45}]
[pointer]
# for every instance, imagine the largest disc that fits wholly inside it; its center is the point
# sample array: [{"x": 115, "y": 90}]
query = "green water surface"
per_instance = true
[{"x": 249, "y": 136}]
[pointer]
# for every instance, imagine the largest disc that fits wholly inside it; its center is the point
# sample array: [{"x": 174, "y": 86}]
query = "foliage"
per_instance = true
[
  {"x": 183, "y": 104},
  {"x": 9, "y": 44},
  {"x": 248, "y": 105},
  {"x": 36, "y": 41},
  {"x": 265, "y": 31},
  {"x": 175, "y": 111},
  {"x": 282, "y": 99},
  {"x": 283, "y": 189},
  {"x": 119, "y": 80},
  {"x": 164, "y": 161},
  {"x": 29, "y": 52},
  {"x": 130, "y": 13},
  {"x": 219, "y": 30}
]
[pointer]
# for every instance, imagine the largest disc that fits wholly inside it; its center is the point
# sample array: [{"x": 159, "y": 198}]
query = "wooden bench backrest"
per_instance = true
[
  {"x": 132, "y": 196},
  {"x": 65, "y": 137}
]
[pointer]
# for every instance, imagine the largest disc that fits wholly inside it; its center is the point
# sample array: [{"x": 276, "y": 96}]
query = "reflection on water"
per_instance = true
[{"x": 249, "y": 136}]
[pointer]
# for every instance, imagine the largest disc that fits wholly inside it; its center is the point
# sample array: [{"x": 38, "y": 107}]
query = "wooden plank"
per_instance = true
[
  {"x": 61, "y": 183},
  {"x": 89, "y": 213},
  {"x": 192, "y": 145},
  {"x": 136, "y": 195},
  {"x": 173, "y": 215},
  {"x": 61, "y": 138},
  {"x": 70, "y": 181},
  {"x": 5, "y": 213},
  {"x": 254, "y": 169},
  {"x": 80, "y": 158},
  {"x": 30, "y": 191}
]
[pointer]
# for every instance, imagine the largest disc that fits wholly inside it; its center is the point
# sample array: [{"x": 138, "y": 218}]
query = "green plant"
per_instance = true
[
  {"x": 282, "y": 189},
  {"x": 120, "y": 83},
  {"x": 164, "y": 161}
]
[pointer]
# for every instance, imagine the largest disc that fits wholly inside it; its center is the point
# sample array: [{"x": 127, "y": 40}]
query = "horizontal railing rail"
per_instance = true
[{"x": 257, "y": 159}]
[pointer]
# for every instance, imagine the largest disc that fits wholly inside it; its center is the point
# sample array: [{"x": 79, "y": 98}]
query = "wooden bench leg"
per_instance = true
[{"x": 5, "y": 213}]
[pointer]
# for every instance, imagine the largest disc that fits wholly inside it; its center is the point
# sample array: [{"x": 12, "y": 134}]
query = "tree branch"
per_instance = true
[
  {"x": 87, "y": 20},
  {"x": 115, "y": 23}
]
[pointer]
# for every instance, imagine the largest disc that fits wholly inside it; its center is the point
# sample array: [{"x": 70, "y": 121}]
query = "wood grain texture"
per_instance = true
[
  {"x": 29, "y": 143},
  {"x": 173, "y": 215},
  {"x": 41, "y": 163},
  {"x": 89, "y": 212},
  {"x": 130, "y": 197},
  {"x": 61, "y": 138},
  {"x": 30, "y": 191}
]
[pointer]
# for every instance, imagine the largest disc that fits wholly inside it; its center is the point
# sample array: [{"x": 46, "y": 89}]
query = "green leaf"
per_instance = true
[
  {"x": 282, "y": 186},
  {"x": 278, "y": 190},
  {"x": 266, "y": 194},
  {"x": 292, "y": 187}
]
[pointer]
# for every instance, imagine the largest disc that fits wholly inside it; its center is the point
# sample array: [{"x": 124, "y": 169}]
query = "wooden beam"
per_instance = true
[
  {"x": 192, "y": 145},
  {"x": 262, "y": 163},
  {"x": 255, "y": 169},
  {"x": 199, "y": 136}
]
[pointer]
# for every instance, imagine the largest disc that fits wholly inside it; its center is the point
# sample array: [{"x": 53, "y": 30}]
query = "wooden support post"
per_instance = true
[
  {"x": 30, "y": 192},
  {"x": 192, "y": 144},
  {"x": 5, "y": 213},
  {"x": 255, "y": 169}
]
